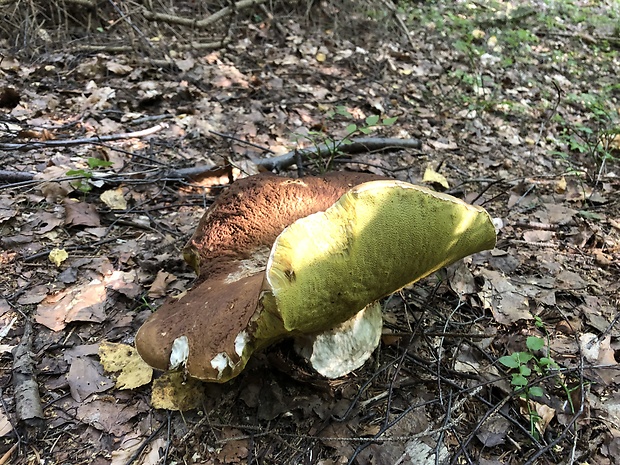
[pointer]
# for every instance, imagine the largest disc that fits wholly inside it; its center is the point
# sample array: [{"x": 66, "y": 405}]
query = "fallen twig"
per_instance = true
[
  {"x": 361, "y": 144},
  {"x": 588, "y": 38},
  {"x": 202, "y": 23},
  {"x": 7, "y": 456},
  {"x": 15, "y": 176},
  {"x": 87, "y": 140},
  {"x": 27, "y": 400},
  {"x": 392, "y": 7}
]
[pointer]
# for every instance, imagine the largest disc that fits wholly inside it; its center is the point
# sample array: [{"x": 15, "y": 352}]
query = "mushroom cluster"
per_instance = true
[{"x": 309, "y": 259}]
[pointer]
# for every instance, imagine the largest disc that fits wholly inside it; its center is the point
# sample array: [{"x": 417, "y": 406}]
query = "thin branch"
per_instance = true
[
  {"x": 87, "y": 140},
  {"x": 361, "y": 144},
  {"x": 27, "y": 399},
  {"x": 203, "y": 23}
]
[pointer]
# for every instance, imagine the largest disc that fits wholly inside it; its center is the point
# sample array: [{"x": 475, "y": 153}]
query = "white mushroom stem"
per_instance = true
[{"x": 340, "y": 350}]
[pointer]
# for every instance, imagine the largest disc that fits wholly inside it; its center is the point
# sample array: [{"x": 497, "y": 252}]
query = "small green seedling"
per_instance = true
[
  {"x": 84, "y": 175},
  {"x": 520, "y": 361},
  {"x": 328, "y": 147},
  {"x": 526, "y": 363}
]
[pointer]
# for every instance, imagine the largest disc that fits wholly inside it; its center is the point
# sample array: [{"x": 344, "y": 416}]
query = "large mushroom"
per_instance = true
[{"x": 305, "y": 258}]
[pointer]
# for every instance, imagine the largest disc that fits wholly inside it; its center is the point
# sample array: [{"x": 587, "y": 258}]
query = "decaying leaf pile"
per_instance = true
[{"x": 107, "y": 108}]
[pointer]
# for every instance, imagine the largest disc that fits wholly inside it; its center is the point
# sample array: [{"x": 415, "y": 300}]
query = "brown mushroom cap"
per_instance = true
[{"x": 229, "y": 251}]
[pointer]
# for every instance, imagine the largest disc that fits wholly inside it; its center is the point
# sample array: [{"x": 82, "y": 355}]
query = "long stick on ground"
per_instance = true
[
  {"x": 87, "y": 140},
  {"x": 27, "y": 400},
  {"x": 357, "y": 145}
]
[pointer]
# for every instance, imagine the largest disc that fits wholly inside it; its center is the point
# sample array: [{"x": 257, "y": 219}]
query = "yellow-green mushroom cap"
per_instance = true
[{"x": 377, "y": 238}]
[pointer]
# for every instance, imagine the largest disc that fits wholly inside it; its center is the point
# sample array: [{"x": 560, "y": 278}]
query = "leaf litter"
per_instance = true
[{"x": 519, "y": 133}]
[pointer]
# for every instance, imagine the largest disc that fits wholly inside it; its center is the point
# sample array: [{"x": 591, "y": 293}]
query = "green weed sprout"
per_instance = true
[
  {"x": 84, "y": 175},
  {"x": 327, "y": 147},
  {"x": 524, "y": 364}
]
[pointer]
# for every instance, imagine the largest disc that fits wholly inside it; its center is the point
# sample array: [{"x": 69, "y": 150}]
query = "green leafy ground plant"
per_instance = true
[
  {"x": 328, "y": 147},
  {"x": 83, "y": 176},
  {"x": 526, "y": 365}
]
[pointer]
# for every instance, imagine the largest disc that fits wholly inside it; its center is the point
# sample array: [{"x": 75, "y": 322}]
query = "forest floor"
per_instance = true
[{"x": 508, "y": 357}]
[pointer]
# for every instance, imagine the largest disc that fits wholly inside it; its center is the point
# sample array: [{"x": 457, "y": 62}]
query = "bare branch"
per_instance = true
[
  {"x": 203, "y": 23},
  {"x": 87, "y": 140},
  {"x": 361, "y": 144}
]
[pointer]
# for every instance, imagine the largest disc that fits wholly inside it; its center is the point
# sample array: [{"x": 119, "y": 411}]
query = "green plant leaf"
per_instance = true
[
  {"x": 538, "y": 322},
  {"x": 518, "y": 380},
  {"x": 342, "y": 111},
  {"x": 536, "y": 391},
  {"x": 535, "y": 343},
  {"x": 351, "y": 128},
  {"x": 523, "y": 357},
  {"x": 525, "y": 370},
  {"x": 86, "y": 174},
  {"x": 509, "y": 361},
  {"x": 98, "y": 163},
  {"x": 389, "y": 121},
  {"x": 590, "y": 215},
  {"x": 82, "y": 185},
  {"x": 372, "y": 120},
  {"x": 547, "y": 362},
  {"x": 365, "y": 130}
]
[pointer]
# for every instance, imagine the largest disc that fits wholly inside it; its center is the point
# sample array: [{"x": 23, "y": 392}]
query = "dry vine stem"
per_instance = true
[{"x": 202, "y": 23}]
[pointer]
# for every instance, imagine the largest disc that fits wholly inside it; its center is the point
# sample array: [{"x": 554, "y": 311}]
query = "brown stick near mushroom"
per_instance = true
[
  {"x": 305, "y": 258},
  {"x": 278, "y": 163}
]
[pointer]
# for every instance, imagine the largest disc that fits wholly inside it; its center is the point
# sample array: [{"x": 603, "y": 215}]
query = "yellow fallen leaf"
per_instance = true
[
  {"x": 560, "y": 185},
  {"x": 320, "y": 57},
  {"x": 173, "y": 391},
  {"x": 57, "y": 256},
  {"x": 431, "y": 176},
  {"x": 134, "y": 371},
  {"x": 114, "y": 199}
]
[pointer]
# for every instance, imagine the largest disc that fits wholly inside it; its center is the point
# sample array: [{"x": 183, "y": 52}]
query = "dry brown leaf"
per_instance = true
[
  {"x": 5, "y": 425},
  {"x": 108, "y": 415},
  {"x": 441, "y": 145},
  {"x": 78, "y": 303},
  {"x": 118, "y": 68},
  {"x": 124, "y": 282},
  {"x": 158, "y": 288},
  {"x": 86, "y": 377},
  {"x": 80, "y": 214},
  {"x": 507, "y": 303},
  {"x": 114, "y": 199},
  {"x": 597, "y": 351}
]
